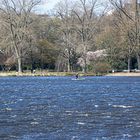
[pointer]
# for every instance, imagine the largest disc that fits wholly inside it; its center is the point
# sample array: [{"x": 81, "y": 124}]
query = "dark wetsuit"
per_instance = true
[{"x": 77, "y": 76}]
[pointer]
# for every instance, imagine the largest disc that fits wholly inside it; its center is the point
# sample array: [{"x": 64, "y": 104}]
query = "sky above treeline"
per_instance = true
[{"x": 48, "y": 5}]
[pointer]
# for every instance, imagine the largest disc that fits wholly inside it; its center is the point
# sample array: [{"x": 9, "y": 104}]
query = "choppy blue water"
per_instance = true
[{"x": 59, "y": 108}]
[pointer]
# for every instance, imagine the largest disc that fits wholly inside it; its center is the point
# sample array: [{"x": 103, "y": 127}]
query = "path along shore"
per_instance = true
[
  {"x": 123, "y": 74},
  {"x": 13, "y": 73}
]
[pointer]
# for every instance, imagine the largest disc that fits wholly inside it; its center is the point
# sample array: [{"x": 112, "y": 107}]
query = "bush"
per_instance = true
[{"x": 101, "y": 67}]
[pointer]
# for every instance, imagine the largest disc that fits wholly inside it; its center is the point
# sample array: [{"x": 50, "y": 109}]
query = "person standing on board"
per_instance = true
[{"x": 77, "y": 76}]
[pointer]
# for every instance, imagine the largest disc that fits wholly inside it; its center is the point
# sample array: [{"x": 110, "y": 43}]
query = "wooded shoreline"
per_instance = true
[{"x": 82, "y": 35}]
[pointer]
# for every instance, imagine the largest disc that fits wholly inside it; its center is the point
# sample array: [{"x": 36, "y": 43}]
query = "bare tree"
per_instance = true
[
  {"x": 86, "y": 25},
  {"x": 129, "y": 20},
  {"x": 67, "y": 38},
  {"x": 17, "y": 17}
]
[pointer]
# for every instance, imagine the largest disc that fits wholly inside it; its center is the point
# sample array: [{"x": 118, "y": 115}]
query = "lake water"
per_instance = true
[{"x": 60, "y": 108}]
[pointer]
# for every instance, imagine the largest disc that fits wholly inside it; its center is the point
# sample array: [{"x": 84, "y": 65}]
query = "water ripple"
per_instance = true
[{"x": 36, "y": 108}]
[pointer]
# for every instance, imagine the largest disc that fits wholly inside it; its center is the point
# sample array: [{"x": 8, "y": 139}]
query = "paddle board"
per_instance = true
[{"x": 78, "y": 79}]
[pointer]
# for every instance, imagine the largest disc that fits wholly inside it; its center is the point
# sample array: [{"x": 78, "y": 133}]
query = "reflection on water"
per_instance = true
[{"x": 57, "y": 108}]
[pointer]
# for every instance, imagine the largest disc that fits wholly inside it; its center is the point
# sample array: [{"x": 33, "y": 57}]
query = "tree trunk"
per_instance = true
[
  {"x": 138, "y": 61},
  {"x": 137, "y": 33},
  {"x": 129, "y": 64},
  {"x": 68, "y": 66},
  {"x": 19, "y": 64},
  {"x": 85, "y": 57},
  {"x": 85, "y": 67}
]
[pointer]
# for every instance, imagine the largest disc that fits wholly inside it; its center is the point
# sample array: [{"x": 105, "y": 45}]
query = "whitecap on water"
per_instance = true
[
  {"x": 122, "y": 106},
  {"x": 107, "y": 117},
  {"x": 8, "y": 109},
  {"x": 96, "y": 105},
  {"x": 127, "y": 135},
  {"x": 13, "y": 116},
  {"x": 67, "y": 111},
  {"x": 84, "y": 115},
  {"x": 74, "y": 137},
  {"x": 80, "y": 123},
  {"x": 20, "y": 99},
  {"x": 34, "y": 123}
]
